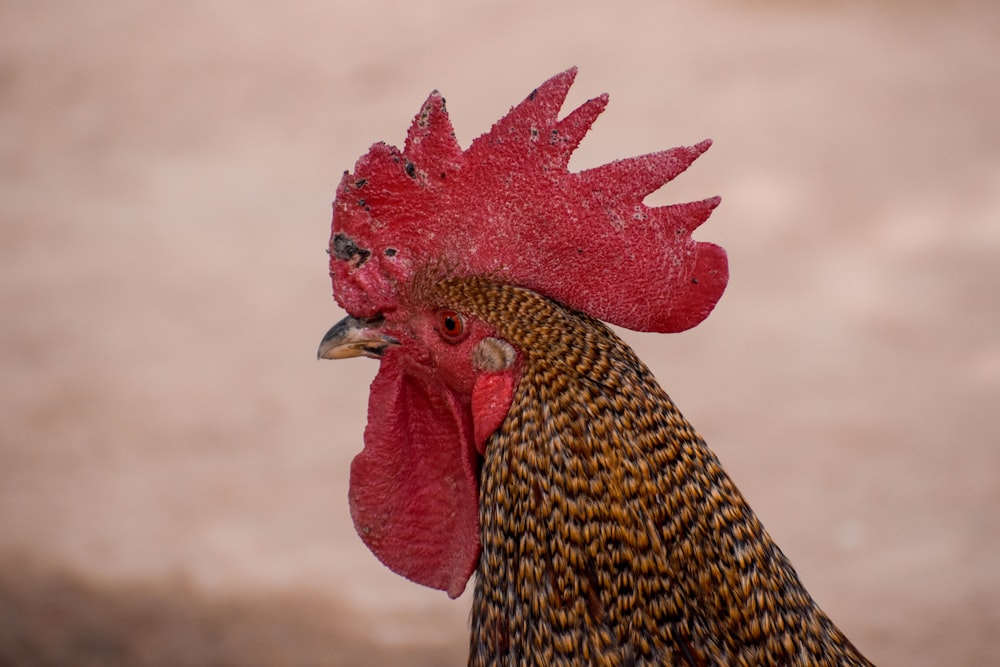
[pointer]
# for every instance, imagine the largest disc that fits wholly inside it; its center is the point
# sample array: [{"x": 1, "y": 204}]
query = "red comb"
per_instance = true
[{"x": 509, "y": 207}]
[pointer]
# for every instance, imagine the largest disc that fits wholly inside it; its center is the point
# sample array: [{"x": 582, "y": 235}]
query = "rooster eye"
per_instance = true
[{"x": 451, "y": 326}]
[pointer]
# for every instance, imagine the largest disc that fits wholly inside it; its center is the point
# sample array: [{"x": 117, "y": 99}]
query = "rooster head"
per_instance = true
[{"x": 508, "y": 208}]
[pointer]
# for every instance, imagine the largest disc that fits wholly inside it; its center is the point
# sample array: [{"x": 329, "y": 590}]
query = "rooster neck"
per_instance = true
[{"x": 610, "y": 533}]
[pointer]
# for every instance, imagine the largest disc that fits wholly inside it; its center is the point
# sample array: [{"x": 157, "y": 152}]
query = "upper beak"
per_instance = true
[{"x": 352, "y": 337}]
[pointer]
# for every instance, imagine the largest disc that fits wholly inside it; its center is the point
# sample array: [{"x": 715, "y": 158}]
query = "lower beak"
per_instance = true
[{"x": 352, "y": 337}]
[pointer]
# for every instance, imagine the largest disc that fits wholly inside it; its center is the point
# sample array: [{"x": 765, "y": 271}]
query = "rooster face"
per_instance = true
[
  {"x": 457, "y": 350},
  {"x": 444, "y": 385}
]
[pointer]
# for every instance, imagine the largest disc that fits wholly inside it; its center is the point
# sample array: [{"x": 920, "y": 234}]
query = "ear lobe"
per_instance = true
[{"x": 491, "y": 399}]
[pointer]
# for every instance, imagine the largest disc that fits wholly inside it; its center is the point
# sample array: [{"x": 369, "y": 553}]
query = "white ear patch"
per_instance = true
[{"x": 493, "y": 354}]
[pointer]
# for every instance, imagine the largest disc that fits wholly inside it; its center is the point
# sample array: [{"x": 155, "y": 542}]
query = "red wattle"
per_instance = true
[
  {"x": 414, "y": 492},
  {"x": 491, "y": 398}
]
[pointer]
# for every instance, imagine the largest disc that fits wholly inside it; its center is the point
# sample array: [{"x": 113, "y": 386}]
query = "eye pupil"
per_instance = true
[{"x": 451, "y": 325}]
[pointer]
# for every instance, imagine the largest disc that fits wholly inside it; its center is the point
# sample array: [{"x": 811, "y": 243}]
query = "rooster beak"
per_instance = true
[{"x": 352, "y": 337}]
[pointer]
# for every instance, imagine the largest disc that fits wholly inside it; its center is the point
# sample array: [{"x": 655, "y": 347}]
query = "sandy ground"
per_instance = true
[{"x": 173, "y": 460}]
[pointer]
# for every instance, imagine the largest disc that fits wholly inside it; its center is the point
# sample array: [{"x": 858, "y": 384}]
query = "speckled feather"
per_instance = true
[{"x": 611, "y": 535}]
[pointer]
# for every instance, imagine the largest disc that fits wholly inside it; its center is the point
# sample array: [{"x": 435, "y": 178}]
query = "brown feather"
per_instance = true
[{"x": 611, "y": 534}]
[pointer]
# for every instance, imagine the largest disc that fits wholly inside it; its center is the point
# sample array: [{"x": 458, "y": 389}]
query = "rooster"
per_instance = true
[{"x": 512, "y": 434}]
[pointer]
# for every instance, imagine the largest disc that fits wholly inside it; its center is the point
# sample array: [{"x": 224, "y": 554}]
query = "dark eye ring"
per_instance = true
[{"x": 451, "y": 326}]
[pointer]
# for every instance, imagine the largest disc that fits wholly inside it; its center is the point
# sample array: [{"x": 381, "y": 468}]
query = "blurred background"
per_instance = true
[{"x": 173, "y": 459}]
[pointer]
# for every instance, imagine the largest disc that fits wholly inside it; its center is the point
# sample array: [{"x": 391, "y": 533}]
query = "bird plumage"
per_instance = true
[{"x": 611, "y": 534}]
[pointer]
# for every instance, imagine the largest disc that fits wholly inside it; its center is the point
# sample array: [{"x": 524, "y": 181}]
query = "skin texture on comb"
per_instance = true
[{"x": 509, "y": 207}]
